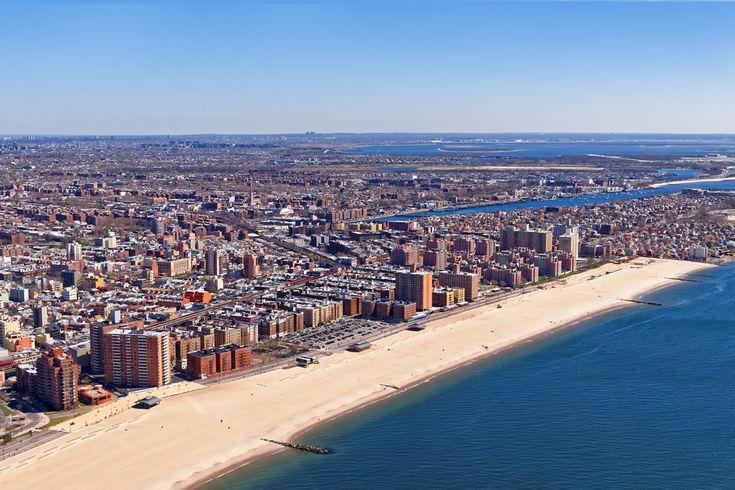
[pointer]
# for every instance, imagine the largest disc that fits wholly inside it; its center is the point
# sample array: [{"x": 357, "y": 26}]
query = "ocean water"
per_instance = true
[{"x": 637, "y": 398}]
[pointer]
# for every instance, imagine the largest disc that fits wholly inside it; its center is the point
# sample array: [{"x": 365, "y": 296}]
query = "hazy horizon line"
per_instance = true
[{"x": 328, "y": 133}]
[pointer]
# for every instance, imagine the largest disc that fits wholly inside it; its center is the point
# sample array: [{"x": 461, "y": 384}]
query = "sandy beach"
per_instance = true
[
  {"x": 690, "y": 181},
  {"x": 194, "y": 435}
]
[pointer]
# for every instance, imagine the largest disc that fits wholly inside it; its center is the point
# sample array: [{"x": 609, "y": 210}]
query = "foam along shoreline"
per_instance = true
[
  {"x": 193, "y": 437},
  {"x": 689, "y": 181}
]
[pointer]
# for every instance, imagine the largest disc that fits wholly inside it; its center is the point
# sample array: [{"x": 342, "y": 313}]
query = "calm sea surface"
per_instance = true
[{"x": 639, "y": 398}]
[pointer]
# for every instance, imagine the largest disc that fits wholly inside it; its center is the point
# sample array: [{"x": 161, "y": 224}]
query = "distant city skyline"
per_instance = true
[{"x": 256, "y": 67}]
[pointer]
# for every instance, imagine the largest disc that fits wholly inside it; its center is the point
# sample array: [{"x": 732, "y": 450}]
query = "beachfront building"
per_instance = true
[
  {"x": 137, "y": 357},
  {"x": 415, "y": 287},
  {"x": 222, "y": 359},
  {"x": 569, "y": 242},
  {"x": 96, "y": 333},
  {"x": 57, "y": 377},
  {"x": 442, "y": 297},
  {"x": 468, "y": 281}
]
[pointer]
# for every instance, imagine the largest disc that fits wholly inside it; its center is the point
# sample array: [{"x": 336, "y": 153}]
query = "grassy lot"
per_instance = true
[
  {"x": 57, "y": 420},
  {"x": 5, "y": 410}
]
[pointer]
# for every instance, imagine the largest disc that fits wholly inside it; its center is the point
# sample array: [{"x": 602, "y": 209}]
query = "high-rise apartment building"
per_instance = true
[
  {"x": 569, "y": 242},
  {"x": 251, "y": 269},
  {"x": 225, "y": 336},
  {"x": 74, "y": 251},
  {"x": 57, "y": 379},
  {"x": 20, "y": 295},
  {"x": 538, "y": 240},
  {"x": 213, "y": 262},
  {"x": 152, "y": 266},
  {"x": 97, "y": 359},
  {"x": 416, "y": 287},
  {"x": 436, "y": 259},
  {"x": 70, "y": 278},
  {"x": 548, "y": 265},
  {"x": 405, "y": 255},
  {"x": 465, "y": 245},
  {"x": 110, "y": 241},
  {"x": 70, "y": 294},
  {"x": 137, "y": 357},
  {"x": 436, "y": 244},
  {"x": 40, "y": 316},
  {"x": 8, "y": 325},
  {"x": 485, "y": 248}
]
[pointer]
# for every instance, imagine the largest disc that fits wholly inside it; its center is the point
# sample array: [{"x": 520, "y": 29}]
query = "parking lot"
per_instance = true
[{"x": 343, "y": 333}]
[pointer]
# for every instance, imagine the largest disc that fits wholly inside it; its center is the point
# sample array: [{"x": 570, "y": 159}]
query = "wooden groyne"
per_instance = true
[
  {"x": 640, "y": 302},
  {"x": 302, "y": 447},
  {"x": 682, "y": 279},
  {"x": 390, "y": 386}
]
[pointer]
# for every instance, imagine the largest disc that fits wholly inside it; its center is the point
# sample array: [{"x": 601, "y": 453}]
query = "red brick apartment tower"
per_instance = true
[
  {"x": 251, "y": 269},
  {"x": 57, "y": 379},
  {"x": 416, "y": 287},
  {"x": 137, "y": 357}
]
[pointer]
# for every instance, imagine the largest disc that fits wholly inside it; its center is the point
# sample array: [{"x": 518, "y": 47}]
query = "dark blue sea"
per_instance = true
[{"x": 641, "y": 398}]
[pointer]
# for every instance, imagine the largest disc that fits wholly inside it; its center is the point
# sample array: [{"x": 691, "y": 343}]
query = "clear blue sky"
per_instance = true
[{"x": 185, "y": 66}]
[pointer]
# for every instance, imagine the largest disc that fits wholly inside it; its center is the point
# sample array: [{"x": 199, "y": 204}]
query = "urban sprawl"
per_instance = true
[{"x": 131, "y": 263}]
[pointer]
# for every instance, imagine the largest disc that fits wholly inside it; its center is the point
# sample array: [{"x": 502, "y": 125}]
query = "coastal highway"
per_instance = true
[{"x": 27, "y": 442}]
